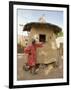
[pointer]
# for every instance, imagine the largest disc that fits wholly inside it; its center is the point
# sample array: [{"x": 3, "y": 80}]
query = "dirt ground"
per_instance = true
[{"x": 43, "y": 73}]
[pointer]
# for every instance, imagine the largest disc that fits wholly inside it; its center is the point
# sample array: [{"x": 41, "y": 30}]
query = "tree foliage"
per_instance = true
[{"x": 60, "y": 34}]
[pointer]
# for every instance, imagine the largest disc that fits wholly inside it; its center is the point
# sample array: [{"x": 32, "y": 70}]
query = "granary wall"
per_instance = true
[{"x": 48, "y": 53}]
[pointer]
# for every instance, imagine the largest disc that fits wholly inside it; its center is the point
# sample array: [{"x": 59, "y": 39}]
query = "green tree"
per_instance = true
[{"x": 60, "y": 34}]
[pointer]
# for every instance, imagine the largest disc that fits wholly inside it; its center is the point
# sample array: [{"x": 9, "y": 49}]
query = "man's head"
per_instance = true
[{"x": 33, "y": 41}]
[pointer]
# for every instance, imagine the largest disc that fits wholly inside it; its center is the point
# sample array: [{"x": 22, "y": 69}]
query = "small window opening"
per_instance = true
[{"x": 42, "y": 38}]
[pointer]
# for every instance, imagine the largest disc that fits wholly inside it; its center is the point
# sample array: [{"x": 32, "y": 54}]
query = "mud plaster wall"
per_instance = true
[{"x": 48, "y": 53}]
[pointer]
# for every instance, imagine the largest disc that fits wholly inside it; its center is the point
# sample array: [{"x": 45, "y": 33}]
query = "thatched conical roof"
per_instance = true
[{"x": 50, "y": 26}]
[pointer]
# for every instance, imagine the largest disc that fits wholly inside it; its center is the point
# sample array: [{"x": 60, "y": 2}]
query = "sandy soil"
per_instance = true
[{"x": 48, "y": 72}]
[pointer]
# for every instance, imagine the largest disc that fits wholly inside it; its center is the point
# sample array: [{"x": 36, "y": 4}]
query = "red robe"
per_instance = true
[{"x": 31, "y": 51}]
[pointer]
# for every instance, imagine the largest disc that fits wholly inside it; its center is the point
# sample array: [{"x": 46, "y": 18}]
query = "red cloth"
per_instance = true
[{"x": 31, "y": 51}]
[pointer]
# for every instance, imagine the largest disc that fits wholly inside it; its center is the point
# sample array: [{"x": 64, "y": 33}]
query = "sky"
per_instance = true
[{"x": 25, "y": 16}]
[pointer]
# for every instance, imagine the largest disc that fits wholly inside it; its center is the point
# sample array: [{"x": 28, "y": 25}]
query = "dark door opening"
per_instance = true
[{"x": 42, "y": 38}]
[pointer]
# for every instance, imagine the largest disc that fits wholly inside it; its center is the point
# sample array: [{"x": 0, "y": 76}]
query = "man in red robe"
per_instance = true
[{"x": 31, "y": 51}]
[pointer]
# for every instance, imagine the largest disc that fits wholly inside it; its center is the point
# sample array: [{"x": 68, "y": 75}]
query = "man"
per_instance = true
[{"x": 31, "y": 51}]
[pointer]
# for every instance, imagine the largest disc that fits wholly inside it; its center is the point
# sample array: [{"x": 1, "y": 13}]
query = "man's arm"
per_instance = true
[
  {"x": 39, "y": 44},
  {"x": 27, "y": 50}
]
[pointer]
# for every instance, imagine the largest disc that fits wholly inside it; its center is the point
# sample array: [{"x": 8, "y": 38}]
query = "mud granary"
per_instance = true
[{"x": 44, "y": 32}]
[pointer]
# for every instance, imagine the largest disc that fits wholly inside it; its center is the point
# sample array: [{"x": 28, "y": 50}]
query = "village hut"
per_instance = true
[{"x": 44, "y": 32}]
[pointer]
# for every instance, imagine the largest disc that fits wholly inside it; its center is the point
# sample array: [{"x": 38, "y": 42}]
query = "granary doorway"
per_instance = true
[{"x": 42, "y": 37}]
